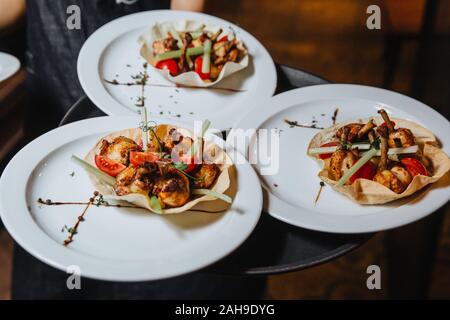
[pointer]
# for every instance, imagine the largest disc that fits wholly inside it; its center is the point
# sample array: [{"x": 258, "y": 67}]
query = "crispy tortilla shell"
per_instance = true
[
  {"x": 365, "y": 191},
  {"x": 191, "y": 78},
  {"x": 221, "y": 185}
]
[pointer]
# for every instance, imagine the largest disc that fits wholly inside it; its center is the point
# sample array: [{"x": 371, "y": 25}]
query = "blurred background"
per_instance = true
[{"x": 410, "y": 54}]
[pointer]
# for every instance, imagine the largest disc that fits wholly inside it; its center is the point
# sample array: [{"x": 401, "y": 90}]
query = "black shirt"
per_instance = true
[
  {"x": 52, "y": 49},
  {"x": 53, "y": 82}
]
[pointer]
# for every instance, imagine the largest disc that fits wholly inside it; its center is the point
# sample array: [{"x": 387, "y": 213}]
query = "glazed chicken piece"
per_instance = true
[
  {"x": 396, "y": 177},
  {"x": 200, "y": 40},
  {"x": 232, "y": 55},
  {"x": 401, "y": 137},
  {"x": 342, "y": 159},
  {"x": 139, "y": 179},
  {"x": 205, "y": 175},
  {"x": 340, "y": 162},
  {"x": 224, "y": 51},
  {"x": 172, "y": 189},
  {"x": 119, "y": 149},
  {"x": 215, "y": 70},
  {"x": 172, "y": 138},
  {"x": 164, "y": 45},
  {"x": 176, "y": 144},
  {"x": 354, "y": 129},
  {"x": 220, "y": 51},
  {"x": 397, "y": 138}
]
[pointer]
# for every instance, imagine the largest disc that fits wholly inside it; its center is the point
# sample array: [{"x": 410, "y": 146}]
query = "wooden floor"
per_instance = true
[
  {"x": 345, "y": 278},
  {"x": 6, "y": 249},
  {"x": 329, "y": 38}
]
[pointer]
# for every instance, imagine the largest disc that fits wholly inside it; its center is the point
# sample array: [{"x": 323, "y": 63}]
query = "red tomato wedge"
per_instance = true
[
  {"x": 198, "y": 68},
  {"x": 367, "y": 171},
  {"x": 414, "y": 167},
  {"x": 224, "y": 38},
  {"x": 328, "y": 144},
  {"x": 137, "y": 157},
  {"x": 109, "y": 166},
  {"x": 170, "y": 65}
]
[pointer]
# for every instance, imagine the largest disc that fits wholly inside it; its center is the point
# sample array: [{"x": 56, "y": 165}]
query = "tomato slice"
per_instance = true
[
  {"x": 328, "y": 144},
  {"x": 414, "y": 167},
  {"x": 198, "y": 68},
  {"x": 224, "y": 38},
  {"x": 137, "y": 157},
  {"x": 367, "y": 171},
  {"x": 170, "y": 65},
  {"x": 108, "y": 166}
]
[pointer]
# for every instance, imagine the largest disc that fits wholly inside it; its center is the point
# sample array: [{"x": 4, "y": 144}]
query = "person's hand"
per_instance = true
[
  {"x": 11, "y": 14},
  {"x": 188, "y": 5}
]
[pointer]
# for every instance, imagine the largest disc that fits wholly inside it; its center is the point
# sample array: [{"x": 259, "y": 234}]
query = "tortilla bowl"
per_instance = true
[
  {"x": 365, "y": 191},
  {"x": 191, "y": 78},
  {"x": 211, "y": 151}
]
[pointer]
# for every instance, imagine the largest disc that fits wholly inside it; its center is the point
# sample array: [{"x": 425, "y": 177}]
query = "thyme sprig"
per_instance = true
[{"x": 99, "y": 200}]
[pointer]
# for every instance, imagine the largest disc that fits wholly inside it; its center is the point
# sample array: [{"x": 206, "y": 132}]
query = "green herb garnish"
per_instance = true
[{"x": 155, "y": 205}]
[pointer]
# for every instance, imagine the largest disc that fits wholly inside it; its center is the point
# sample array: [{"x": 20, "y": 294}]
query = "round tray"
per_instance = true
[{"x": 273, "y": 247}]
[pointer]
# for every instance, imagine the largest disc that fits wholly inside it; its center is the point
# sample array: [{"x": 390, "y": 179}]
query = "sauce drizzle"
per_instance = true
[{"x": 96, "y": 200}]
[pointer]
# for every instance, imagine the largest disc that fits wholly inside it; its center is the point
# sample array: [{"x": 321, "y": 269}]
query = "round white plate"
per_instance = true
[
  {"x": 112, "y": 52},
  {"x": 9, "y": 65},
  {"x": 113, "y": 244},
  {"x": 291, "y": 191}
]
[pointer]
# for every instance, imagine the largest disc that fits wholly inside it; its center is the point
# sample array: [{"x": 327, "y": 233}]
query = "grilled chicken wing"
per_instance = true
[
  {"x": 136, "y": 180},
  {"x": 173, "y": 138},
  {"x": 205, "y": 175},
  {"x": 397, "y": 178},
  {"x": 340, "y": 162},
  {"x": 119, "y": 149},
  {"x": 353, "y": 132},
  {"x": 176, "y": 144},
  {"x": 403, "y": 135},
  {"x": 164, "y": 45},
  {"x": 172, "y": 189},
  {"x": 220, "y": 49}
]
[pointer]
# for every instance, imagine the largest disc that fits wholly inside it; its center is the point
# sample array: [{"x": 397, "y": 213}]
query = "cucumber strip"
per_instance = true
[
  {"x": 394, "y": 151},
  {"x": 195, "y": 51},
  {"x": 155, "y": 205},
  {"x": 214, "y": 194},
  {"x": 95, "y": 171},
  {"x": 321, "y": 150},
  {"x": 205, "y": 126},
  {"x": 206, "y": 63},
  {"x": 365, "y": 158}
]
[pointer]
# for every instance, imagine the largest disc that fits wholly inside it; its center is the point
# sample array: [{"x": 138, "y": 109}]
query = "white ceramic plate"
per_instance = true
[
  {"x": 112, "y": 243},
  {"x": 9, "y": 65},
  {"x": 112, "y": 52},
  {"x": 292, "y": 190}
]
